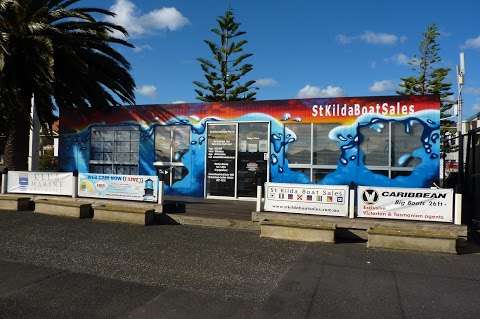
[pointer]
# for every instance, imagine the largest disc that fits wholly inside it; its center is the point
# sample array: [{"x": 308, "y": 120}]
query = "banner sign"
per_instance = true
[
  {"x": 307, "y": 199},
  {"x": 405, "y": 203},
  {"x": 47, "y": 183},
  {"x": 127, "y": 187}
]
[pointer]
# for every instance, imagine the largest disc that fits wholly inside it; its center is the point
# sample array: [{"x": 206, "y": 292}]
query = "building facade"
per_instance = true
[{"x": 221, "y": 149}]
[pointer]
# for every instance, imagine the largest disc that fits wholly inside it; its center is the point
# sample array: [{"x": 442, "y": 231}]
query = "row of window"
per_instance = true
[
  {"x": 115, "y": 149},
  {"x": 387, "y": 148},
  {"x": 382, "y": 146}
]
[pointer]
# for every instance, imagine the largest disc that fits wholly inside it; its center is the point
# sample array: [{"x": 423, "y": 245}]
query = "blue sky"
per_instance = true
[{"x": 302, "y": 48}]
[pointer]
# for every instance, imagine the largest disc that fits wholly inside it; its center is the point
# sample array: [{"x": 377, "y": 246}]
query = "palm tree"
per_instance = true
[{"x": 63, "y": 57}]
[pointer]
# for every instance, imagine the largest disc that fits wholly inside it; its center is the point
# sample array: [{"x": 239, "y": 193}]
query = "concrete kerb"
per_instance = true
[
  {"x": 403, "y": 238},
  {"x": 320, "y": 231},
  {"x": 15, "y": 202},
  {"x": 65, "y": 207},
  {"x": 124, "y": 213}
]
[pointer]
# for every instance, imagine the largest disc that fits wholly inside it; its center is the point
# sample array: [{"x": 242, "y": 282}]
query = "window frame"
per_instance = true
[
  {"x": 390, "y": 168},
  {"x": 113, "y": 163}
]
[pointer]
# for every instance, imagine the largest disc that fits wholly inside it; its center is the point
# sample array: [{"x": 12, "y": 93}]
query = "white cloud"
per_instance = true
[
  {"x": 399, "y": 58},
  {"x": 371, "y": 38},
  {"x": 311, "y": 91},
  {"x": 472, "y": 90},
  {"x": 137, "y": 24},
  {"x": 382, "y": 86},
  {"x": 179, "y": 102},
  {"x": 381, "y": 38},
  {"x": 140, "y": 48},
  {"x": 344, "y": 39},
  {"x": 473, "y": 43},
  {"x": 147, "y": 90},
  {"x": 266, "y": 82}
]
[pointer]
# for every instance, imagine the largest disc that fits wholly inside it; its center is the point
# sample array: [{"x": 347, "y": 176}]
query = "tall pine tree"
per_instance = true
[
  {"x": 430, "y": 78},
  {"x": 224, "y": 73}
]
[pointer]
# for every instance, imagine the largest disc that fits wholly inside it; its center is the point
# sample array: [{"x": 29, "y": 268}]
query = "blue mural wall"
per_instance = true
[{"x": 354, "y": 113}]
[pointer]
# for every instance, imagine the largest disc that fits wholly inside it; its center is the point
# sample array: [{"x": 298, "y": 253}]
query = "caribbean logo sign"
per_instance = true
[{"x": 370, "y": 196}]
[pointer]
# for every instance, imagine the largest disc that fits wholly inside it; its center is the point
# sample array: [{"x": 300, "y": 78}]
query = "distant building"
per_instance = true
[
  {"x": 471, "y": 122},
  {"x": 48, "y": 149}
]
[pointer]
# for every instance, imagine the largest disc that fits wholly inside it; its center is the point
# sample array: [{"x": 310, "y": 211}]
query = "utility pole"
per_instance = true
[
  {"x": 34, "y": 138},
  {"x": 461, "y": 175},
  {"x": 460, "y": 82}
]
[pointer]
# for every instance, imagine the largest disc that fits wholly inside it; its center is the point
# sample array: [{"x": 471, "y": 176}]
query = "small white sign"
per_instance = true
[
  {"x": 307, "y": 199},
  {"x": 46, "y": 183},
  {"x": 434, "y": 205}
]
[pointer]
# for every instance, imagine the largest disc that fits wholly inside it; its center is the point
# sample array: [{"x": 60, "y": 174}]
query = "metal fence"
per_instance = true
[
  {"x": 471, "y": 176},
  {"x": 464, "y": 174}
]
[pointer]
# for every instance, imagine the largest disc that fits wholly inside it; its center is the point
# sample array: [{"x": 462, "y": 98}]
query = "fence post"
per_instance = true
[
  {"x": 4, "y": 181},
  {"x": 75, "y": 184},
  {"x": 457, "y": 217},
  {"x": 259, "y": 194},
  {"x": 351, "y": 201}
]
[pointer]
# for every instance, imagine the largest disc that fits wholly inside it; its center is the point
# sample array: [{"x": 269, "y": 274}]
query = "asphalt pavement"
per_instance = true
[{"x": 53, "y": 267}]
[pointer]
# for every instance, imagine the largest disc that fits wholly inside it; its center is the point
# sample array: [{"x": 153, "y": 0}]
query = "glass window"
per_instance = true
[
  {"x": 401, "y": 173},
  {"x": 319, "y": 174},
  {"x": 374, "y": 144},
  {"x": 171, "y": 142},
  {"x": 299, "y": 146},
  {"x": 325, "y": 151},
  {"x": 162, "y": 143},
  {"x": 304, "y": 170},
  {"x": 181, "y": 142},
  {"x": 406, "y": 139},
  {"x": 113, "y": 145},
  {"x": 122, "y": 146}
]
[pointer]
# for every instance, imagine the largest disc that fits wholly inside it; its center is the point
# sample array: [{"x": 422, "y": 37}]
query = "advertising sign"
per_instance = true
[
  {"x": 405, "y": 203},
  {"x": 127, "y": 187},
  {"x": 47, "y": 183},
  {"x": 307, "y": 199}
]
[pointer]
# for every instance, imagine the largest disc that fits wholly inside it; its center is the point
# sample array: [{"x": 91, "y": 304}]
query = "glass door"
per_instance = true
[
  {"x": 221, "y": 160},
  {"x": 171, "y": 144},
  {"x": 252, "y": 157}
]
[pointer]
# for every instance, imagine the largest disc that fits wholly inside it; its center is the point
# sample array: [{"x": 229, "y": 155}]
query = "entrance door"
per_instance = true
[
  {"x": 221, "y": 163},
  {"x": 237, "y": 154},
  {"x": 252, "y": 157}
]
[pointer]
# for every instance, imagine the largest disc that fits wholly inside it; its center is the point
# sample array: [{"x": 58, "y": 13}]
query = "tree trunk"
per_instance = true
[{"x": 17, "y": 138}]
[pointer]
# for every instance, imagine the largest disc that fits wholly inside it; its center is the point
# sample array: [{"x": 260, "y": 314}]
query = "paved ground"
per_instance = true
[{"x": 62, "y": 268}]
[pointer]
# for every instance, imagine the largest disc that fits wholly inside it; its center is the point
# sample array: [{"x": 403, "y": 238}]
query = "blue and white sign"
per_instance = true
[
  {"x": 45, "y": 183},
  {"x": 127, "y": 187}
]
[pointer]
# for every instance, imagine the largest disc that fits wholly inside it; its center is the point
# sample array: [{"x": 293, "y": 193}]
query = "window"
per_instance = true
[
  {"x": 298, "y": 151},
  {"x": 312, "y": 152},
  {"x": 374, "y": 144},
  {"x": 405, "y": 139},
  {"x": 171, "y": 144},
  {"x": 387, "y": 148},
  {"x": 325, "y": 151},
  {"x": 114, "y": 149}
]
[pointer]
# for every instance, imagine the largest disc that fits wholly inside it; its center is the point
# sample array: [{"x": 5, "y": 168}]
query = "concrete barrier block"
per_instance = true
[
  {"x": 14, "y": 202},
  {"x": 324, "y": 233},
  {"x": 124, "y": 214},
  {"x": 440, "y": 241},
  {"x": 64, "y": 208}
]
